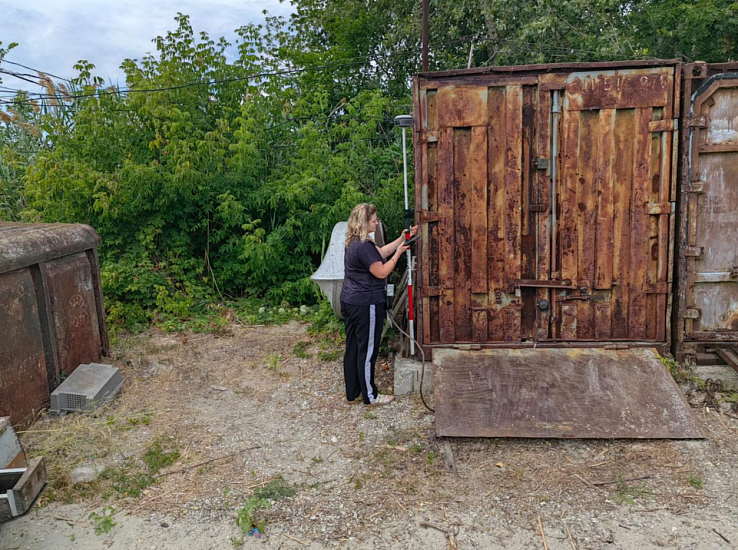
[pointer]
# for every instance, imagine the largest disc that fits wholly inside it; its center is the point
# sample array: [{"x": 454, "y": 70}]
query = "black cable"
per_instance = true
[{"x": 422, "y": 365}]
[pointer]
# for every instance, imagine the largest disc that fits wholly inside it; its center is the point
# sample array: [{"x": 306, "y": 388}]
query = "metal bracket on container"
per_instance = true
[
  {"x": 542, "y": 163},
  {"x": 695, "y": 187},
  {"x": 657, "y": 208},
  {"x": 692, "y": 251},
  {"x": 697, "y": 122},
  {"x": 691, "y": 313}
]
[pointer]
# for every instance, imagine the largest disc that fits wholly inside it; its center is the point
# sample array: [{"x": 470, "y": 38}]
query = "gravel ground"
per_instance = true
[{"x": 244, "y": 410}]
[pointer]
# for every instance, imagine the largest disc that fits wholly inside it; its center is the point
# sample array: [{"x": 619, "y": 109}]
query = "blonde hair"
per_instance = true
[{"x": 358, "y": 223}]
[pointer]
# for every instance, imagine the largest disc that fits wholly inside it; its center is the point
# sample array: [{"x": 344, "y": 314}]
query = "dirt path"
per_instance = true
[{"x": 248, "y": 417}]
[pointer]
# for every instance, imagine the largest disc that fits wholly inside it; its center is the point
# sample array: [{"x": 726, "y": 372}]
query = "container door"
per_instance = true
[
  {"x": 476, "y": 181},
  {"x": 711, "y": 245},
  {"x": 614, "y": 204}
]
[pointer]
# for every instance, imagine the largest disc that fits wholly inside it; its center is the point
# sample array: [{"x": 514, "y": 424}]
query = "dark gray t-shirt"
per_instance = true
[{"x": 360, "y": 287}]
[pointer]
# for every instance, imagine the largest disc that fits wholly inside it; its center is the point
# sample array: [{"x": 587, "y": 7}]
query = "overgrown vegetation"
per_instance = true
[
  {"x": 250, "y": 516},
  {"x": 213, "y": 177}
]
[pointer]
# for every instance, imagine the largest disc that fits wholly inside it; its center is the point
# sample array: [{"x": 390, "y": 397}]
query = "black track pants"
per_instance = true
[{"x": 363, "y": 331}]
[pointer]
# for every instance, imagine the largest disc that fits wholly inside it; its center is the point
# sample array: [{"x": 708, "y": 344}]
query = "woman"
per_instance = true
[{"x": 362, "y": 301}]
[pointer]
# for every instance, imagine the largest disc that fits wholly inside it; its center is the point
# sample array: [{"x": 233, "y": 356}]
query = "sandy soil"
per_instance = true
[{"x": 244, "y": 410}]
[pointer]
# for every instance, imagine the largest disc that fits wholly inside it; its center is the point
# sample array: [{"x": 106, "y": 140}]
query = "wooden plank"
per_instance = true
[
  {"x": 568, "y": 321},
  {"x": 624, "y": 129},
  {"x": 730, "y": 356},
  {"x": 460, "y": 106},
  {"x": 497, "y": 135},
  {"x": 462, "y": 259},
  {"x": 603, "y": 320},
  {"x": 568, "y": 207},
  {"x": 30, "y": 484},
  {"x": 528, "y": 243},
  {"x": 563, "y": 393},
  {"x": 479, "y": 262},
  {"x": 478, "y": 177},
  {"x": 605, "y": 209},
  {"x": 543, "y": 217},
  {"x": 586, "y": 210},
  {"x": 639, "y": 252},
  {"x": 513, "y": 192},
  {"x": 446, "y": 234}
]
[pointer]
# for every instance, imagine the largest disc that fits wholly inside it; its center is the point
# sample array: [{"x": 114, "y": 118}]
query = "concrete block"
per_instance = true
[
  {"x": 407, "y": 376},
  {"x": 718, "y": 372}
]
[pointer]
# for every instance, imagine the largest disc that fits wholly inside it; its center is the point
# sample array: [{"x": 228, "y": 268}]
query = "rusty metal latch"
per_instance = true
[
  {"x": 542, "y": 163},
  {"x": 658, "y": 208}
]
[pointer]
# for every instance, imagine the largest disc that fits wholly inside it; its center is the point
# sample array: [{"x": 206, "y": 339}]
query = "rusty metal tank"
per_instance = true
[{"x": 51, "y": 311}]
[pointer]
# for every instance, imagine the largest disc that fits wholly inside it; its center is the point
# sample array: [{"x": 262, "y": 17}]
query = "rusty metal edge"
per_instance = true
[
  {"x": 22, "y": 245},
  {"x": 546, "y": 67}
]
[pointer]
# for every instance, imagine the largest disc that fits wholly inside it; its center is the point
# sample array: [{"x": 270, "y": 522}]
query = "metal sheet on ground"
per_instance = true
[{"x": 558, "y": 393}]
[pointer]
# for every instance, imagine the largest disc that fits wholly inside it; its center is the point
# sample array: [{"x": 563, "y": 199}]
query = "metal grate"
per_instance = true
[{"x": 88, "y": 387}]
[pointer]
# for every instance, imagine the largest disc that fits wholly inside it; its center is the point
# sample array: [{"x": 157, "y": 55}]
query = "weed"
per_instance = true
[
  {"x": 329, "y": 356},
  {"x": 161, "y": 454},
  {"x": 362, "y": 436},
  {"x": 249, "y": 516},
  {"x": 627, "y": 494},
  {"x": 72, "y": 537},
  {"x": 369, "y": 415},
  {"x": 143, "y": 419},
  {"x": 274, "y": 361},
  {"x": 126, "y": 481},
  {"x": 276, "y": 489},
  {"x": 415, "y": 448},
  {"x": 300, "y": 350},
  {"x": 695, "y": 481},
  {"x": 237, "y": 541},
  {"x": 317, "y": 459},
  {"x": 104, "y": 521},
  {"x": 430, "y": 458},
  {"x": 681, "y": 372}
]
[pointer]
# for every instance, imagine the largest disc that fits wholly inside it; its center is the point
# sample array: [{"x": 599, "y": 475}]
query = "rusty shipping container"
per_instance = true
[
  {"x": 547, "y": 197},
  {"x": 51, "y": 311},
  {"x": 706, "y": 315}
]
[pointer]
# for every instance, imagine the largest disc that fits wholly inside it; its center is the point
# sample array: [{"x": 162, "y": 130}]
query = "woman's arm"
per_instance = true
[
  {"x": 382, "y": 270},
  {"x": 387, "y": 250}
]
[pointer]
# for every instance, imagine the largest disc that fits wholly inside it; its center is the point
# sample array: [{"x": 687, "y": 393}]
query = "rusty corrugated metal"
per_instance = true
[
  {"x": 707, "y": 309},
  {"x": 493, "y": 266},
  {"x": 51, "y": 311}
]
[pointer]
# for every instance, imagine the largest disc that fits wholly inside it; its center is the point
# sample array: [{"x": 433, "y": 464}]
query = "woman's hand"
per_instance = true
[
  {"x": 413, "y": 231},
  {"x": 401, "y": 249}
]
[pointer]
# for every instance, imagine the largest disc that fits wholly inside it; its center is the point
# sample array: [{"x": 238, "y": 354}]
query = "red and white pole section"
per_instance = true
[{"x": 410, "y": 314}]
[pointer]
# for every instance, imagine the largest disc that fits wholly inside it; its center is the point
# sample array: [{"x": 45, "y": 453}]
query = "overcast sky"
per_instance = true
[{"x": 54, "y": 34}]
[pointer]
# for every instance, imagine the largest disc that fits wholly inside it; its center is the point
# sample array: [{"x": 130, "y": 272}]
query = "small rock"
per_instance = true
[
  {"x": 164, "y": 524},
  {"x": 334, "y": 439},
  {"x": 85, "y": 474}
]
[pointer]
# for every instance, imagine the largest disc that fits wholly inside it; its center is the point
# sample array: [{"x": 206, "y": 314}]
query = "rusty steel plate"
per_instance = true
[
  {"x": 73, "y": 309},
  {"x": 558, "y": 393},
  {"x": 24, "y": 387}
]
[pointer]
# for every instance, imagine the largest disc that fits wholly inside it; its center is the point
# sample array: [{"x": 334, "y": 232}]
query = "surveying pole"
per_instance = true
[{"x": 406, "y": 121}]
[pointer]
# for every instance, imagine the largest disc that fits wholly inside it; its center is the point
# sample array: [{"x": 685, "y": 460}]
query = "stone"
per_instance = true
[
  {"x": 86, "y": 474},
  {"x": 407, "y": 376}
]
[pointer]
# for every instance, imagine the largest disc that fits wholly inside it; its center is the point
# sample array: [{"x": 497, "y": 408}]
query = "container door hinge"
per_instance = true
[
  {"x": 697, "y": 122},
  {"x": 691, "y": 313},
  {"x": 692, "y": 251}
]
